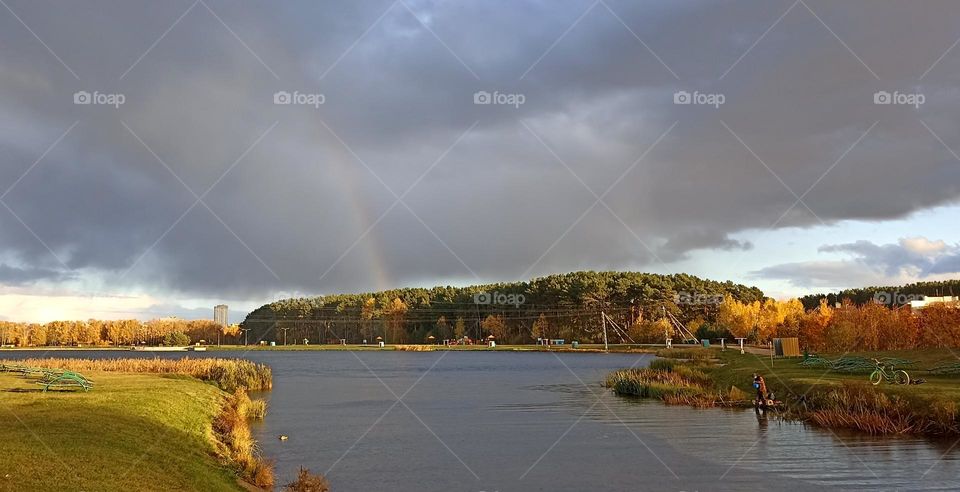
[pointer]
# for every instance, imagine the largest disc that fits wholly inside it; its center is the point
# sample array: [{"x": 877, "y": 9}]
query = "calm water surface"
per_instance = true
[{"x": 498, "y": 421}]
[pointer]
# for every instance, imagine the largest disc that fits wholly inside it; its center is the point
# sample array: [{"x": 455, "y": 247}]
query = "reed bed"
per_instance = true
[
  {"x": 228, "y": 374},
  {"x": 864, "y": 408},
  {"x": 234, "y": 441},
  {"x": 415, "y": 348},
  {"x": 657, "y": 383}
]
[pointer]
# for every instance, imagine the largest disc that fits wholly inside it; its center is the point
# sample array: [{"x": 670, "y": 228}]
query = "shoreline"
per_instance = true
[
  {"x": 582, "y": 348},
  {"x": 831, "y": 399}
]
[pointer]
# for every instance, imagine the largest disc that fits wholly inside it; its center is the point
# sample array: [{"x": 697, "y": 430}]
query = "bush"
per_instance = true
[
  {"x": 308, "y": 482},
  {"x": 176, "y": 339}
]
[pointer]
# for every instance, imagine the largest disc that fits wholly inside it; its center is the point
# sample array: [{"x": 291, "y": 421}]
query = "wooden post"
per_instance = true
[{"x": 603, "y": 319}]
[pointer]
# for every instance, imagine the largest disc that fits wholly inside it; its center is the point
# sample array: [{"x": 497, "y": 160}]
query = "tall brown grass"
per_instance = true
[
  {"x": 657, "y": 383},
  {"x": 228, "y": 374},
  {"x": 415, "y": 348},
  {"x": 234, "y": 441},
  {"x": 308, "y": 482},
  {"x": 864, "y": 408}
]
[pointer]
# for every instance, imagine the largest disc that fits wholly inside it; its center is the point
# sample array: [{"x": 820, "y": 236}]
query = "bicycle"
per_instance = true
[{"x": 892, "y": 376}]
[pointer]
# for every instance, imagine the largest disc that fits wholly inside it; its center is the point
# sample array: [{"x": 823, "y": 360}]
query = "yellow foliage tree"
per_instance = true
[{"x": 738, "y": 317}]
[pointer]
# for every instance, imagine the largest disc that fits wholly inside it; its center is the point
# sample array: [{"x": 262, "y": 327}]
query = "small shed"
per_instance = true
[{"x": 786, "y": 347}]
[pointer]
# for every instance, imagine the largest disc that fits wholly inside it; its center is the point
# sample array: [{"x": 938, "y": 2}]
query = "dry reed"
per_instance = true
[
  {"x": 228, "y": 374},
  {"x": 308, "y": 482},
  {"x": 234, "y": 441},
  {"x": 415, "y": 348}
]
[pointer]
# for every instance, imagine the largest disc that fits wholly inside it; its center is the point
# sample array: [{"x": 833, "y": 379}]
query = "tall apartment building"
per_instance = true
[{"x": 220, "y": 315}]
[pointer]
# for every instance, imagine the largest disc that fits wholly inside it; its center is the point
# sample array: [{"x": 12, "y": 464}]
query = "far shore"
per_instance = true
[{"x": 581, "y": 348}]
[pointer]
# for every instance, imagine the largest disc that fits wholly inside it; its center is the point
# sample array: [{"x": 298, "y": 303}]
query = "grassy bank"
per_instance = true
[
  {"x": 228, "y": 374},
  {"x": 134, "y": 431},
  {"x": 818, "y": 395}
]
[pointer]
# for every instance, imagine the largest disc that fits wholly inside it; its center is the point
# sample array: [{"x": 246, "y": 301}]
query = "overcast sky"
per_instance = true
[{"x": 150, "y": 165}]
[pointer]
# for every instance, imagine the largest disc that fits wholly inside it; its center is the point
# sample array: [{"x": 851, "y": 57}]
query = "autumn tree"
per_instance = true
[
  {"x": 650, "y": 331},
  {"x": 443, "y": 328},
  {"x": 541, "y": 327},
  {"x": 814, "y": 323},
  {"x": 738, "y": 317},
  {"x": 459, "y": 329},
  {"x": 367, "y": 313},
  {"x": 396, "y": 311},
  {"x": 940, "y": 325},
  {"x": 494, "y": 325}
]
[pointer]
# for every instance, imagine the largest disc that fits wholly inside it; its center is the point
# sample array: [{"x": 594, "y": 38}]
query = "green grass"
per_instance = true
[
  {"x": 787, "y": 374},
  {"x": 132, "y": 432}
]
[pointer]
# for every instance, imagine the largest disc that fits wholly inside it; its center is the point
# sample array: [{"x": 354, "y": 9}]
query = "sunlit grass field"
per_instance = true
[
  {"x": 132, "y": 432},
  {"x": 738, "y": 371}
]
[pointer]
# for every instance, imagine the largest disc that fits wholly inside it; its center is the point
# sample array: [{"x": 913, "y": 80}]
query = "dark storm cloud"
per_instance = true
[
  {"x": 286, "y": 201},
  {"x": 10, "y": 275}
]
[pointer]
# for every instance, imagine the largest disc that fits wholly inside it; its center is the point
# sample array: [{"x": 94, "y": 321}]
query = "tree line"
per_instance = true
[
  {"x": 848, "y": 327},
  {"x": 116, "y": 333},
  {"x": 637, "y": 309},
  {"x": 891, "y": 295}
]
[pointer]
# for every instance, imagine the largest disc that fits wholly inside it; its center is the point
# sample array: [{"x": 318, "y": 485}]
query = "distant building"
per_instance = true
[
  {"x": 220, "y": 314},
  {"x": 928, "y": 300}
]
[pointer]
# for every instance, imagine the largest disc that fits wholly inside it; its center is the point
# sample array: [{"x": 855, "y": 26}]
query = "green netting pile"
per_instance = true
[{"x": 853, "y": 364}]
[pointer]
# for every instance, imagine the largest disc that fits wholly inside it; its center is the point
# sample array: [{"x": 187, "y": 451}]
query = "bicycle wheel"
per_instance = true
[
  {"x": 902, "y": 377},
  {"x": 876, "y": 377}
]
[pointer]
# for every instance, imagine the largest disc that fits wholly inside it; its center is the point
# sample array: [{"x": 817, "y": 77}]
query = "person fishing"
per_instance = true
[{"x": 761, "y": 386}]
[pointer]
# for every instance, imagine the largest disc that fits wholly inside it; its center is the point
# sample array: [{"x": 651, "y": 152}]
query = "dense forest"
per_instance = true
[
  {"x": 890, "y": 295},
  {"x": 566, "y": 306}
]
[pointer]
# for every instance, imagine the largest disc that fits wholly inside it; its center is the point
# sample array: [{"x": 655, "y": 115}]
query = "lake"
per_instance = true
[{"x": 505, "y": 421}]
